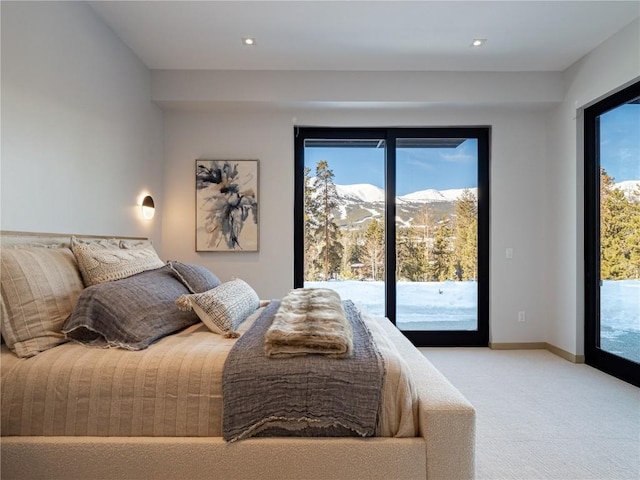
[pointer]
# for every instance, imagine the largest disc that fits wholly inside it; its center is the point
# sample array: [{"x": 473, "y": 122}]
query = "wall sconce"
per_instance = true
[{"x": 148, "y": 208}]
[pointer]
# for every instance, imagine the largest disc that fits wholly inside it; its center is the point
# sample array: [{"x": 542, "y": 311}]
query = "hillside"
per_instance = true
[{"x": 362, "y": 202}]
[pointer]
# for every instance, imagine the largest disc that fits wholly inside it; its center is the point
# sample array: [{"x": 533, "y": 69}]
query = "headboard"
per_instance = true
[{"x": 10, "y": 238}]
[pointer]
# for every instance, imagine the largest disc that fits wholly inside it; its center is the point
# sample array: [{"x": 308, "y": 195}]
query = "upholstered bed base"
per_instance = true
[
  {"x": 445, "y": 450},
  {"x": 212, "y": 458}
]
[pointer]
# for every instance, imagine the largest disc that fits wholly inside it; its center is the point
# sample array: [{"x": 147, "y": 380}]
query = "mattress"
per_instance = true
[{"x": 171, "y": 389}]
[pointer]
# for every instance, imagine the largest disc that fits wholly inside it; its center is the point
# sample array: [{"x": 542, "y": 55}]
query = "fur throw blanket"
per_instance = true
[{"x": 310, "y": 320}]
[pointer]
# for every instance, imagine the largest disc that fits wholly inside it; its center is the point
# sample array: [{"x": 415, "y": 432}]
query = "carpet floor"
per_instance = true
[{"x": 541, "y": 417}]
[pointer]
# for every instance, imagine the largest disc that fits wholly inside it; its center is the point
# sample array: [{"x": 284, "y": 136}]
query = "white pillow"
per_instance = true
[{"x": 223, "y": 308}]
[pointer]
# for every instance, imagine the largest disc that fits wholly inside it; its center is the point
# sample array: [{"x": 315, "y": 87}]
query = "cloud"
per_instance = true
[
  {"x": 415, "y": 161},
  {"x": 457, "y": 157}
]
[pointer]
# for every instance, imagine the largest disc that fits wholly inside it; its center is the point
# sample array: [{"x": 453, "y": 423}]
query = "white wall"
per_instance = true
[
  {"x": 81, "y": 140},
  {"x": 518, "y": 188},
  {"x": 536, "y": 170},
  {"x": 613, "y": 64},
  {"x": 195, "y": 88}
]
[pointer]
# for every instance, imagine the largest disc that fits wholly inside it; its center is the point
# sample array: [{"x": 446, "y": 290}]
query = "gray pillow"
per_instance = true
[
  {"x": 129, "y": 313},
  {"x": 196, "y": 278}
]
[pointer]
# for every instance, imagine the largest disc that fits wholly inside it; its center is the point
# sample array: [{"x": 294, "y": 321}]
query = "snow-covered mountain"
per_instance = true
[
  {"x": 367, "y": 193},
  {"x": 427, "y": 196},
  {"x": 629, "y": 187},
  {"x": 360, "y": 192},
  {"x": 362, "y": 202}
]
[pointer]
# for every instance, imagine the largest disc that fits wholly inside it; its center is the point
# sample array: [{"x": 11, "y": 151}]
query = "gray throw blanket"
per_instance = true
[{"x": 311, "y": 395}]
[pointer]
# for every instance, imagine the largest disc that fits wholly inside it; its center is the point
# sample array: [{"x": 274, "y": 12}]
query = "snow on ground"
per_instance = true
[
  {"x": 620, "y": 305},
  {"x": 453, "y": 302}
]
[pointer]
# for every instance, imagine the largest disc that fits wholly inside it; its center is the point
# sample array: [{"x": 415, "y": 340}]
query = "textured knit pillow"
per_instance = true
[
  {"x": 224, "y": 308},
  {"x": 98, "y": 264},
  {"x": 129, "y": 244},
  {"x": 196, "y": 278},
  {"x": 40, "y": 287},
  {"x": 104, "y": 243}
]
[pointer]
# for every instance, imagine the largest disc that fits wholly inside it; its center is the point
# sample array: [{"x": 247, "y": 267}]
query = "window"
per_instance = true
[
  {"x": 396, "y": 219},
  {"x": 612, "y": 234}
]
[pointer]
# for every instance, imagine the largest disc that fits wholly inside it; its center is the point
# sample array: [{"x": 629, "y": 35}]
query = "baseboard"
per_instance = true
[
  {"x": 518, "y": 346},
  {"x": 571, "y": 357}
]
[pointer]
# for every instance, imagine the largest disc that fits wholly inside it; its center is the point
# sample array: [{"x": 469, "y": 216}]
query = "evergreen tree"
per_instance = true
[
  {"x": 328, "y": 233},
  {"x": 425, "y": 229},
  {"x": 440, "y": 268},
  {"x": 410, "y": 255},
  {"x": 373, "y": 250},
  {"x": 351, "y": 260},
  {"x": 617, "y": 231},
  {"x": 311, "y": 227},
  {"x": 634, "y": 237},
  {"x": 465, "y": 237}
]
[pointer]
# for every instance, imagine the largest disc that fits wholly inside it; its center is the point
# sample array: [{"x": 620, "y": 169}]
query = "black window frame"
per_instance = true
[
  {"x": 619, "y": 367},
  {"x": 479, "y": 337}
]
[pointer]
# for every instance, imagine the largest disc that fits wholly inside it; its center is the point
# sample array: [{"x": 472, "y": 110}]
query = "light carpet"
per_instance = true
[{"x": 542, "y": 417}]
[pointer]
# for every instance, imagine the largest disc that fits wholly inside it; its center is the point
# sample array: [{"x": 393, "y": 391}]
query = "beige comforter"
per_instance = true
[{"x": 171, "y": 389}]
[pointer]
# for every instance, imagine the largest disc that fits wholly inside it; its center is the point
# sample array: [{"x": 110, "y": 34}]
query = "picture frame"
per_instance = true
[{"x": 227, "y": 205}]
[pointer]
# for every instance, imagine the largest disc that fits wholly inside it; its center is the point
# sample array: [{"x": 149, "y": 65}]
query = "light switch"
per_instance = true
[{"x": 508, "y": 253}]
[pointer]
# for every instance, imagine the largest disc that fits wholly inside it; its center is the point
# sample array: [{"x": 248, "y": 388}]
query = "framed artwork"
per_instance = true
[{"x": 226, "y": 205}]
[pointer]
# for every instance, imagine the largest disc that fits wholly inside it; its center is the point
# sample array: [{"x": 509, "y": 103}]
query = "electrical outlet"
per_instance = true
[{"x": 521, "y": 317}]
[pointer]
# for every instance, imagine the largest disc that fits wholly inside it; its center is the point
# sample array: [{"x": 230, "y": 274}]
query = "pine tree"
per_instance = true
[
  {"x": 373, "y": 250},
  {"x": 617, "y": 232},
  {"x": 311, "y": 226},
  {"x": 465, "y": 233},
  {"x": 634, "y": 237},
  {"x": 328, "y": 237},
  {"x": 351, "y": 261},
  {"x": 410, "y": 255},
  {"x": 440, "y": 267}
]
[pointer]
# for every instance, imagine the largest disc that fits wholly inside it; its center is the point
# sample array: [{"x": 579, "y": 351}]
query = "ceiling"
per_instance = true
[{"x": 365, "y": 35}]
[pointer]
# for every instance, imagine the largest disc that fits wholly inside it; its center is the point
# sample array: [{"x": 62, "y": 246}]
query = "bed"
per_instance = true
[{"x": 153, "y": 408}]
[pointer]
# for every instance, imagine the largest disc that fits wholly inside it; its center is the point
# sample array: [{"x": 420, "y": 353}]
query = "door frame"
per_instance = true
[
  {"x": 619, "y": 367},
  {"x": 479, "y": 337}
]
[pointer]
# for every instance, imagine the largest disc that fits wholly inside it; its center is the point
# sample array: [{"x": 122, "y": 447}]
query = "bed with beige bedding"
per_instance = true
[{"x": 70, "y": 410}]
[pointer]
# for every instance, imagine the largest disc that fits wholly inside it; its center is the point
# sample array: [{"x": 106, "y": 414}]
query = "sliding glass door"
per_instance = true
[
  {"x": 397, "y": 220},
  {"x": 344, "y": 218},
  {"x": 612, "y": 234}
]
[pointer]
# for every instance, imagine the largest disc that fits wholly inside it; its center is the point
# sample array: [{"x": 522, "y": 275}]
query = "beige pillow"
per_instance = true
[
  {"x": 99, "y": 264},
  {"x": 104, "y": 243},
  {"x": 40, "y": 287},
  {"x": 128, "y": 244}
]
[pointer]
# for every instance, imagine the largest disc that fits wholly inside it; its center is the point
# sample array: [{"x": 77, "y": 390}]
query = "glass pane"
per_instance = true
[
  {"x": 344, "y": 219},
  {"x": 619, "y": 152},
  {"x": 437, "y": 234}
]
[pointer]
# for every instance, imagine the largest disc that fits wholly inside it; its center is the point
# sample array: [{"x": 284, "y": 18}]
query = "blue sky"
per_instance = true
[
  {"x": 446, "y": 168},
  {"x": 416, "y": 168},
  {"x": 620, "y": 142}
]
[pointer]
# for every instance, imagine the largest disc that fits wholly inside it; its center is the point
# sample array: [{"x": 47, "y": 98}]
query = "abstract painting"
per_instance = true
[{"x": 227, "y": 205}]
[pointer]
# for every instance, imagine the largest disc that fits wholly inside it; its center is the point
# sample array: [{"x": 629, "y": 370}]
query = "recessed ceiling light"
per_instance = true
[
  {"x": 248, "y": 41},
  {"x": 478, "y": 42}
]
